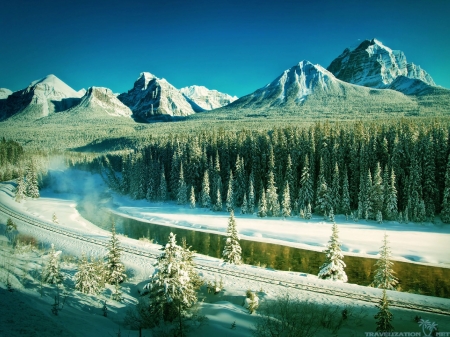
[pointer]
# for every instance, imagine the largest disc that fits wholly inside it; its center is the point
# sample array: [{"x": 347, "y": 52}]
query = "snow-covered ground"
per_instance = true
[{"x": 361, "y": 238}]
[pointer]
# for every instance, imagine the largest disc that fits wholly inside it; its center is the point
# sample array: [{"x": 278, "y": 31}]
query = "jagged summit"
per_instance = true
[
  {"x": 205, "y": 98},
  {"x": 374, "y": 65},
  {"x": 152, "y": 96},
  {"x": 98, "y": 100}
]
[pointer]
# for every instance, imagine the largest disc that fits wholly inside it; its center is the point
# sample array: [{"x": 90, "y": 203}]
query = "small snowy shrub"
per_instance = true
[{"x": 251, "y": 301}]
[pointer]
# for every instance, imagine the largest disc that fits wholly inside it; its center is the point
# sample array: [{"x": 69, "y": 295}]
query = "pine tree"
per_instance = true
[
  {"x": 173, "y": 284},
  {"x": 251, "y": 195},
  {"x": 206, "y": 198},
  {"x": 333, "y": 268},
  {"x": 218, "y": 204},
  {"x": 192, "y": 198},
  {"x": 232, "y": 250},
  {"x": 384, "y": 316},
  {"x": 51, "y": 273},
  {"x": 244, "y": 207},
  {"x": 384, "y": 275},
  {"x": 182, "y": 188},
  {"x": 273, "y": 206},
  {"x": 323, "y": 202},
  {"x": 32, "y": 181},
  {"x": 286, "y": 203},
  {"x": 345, "y": 205},
  {"x": 87, "y": 278},
  {"x": 239, "y": 187},
  {"x": 115, "y": 270},
  {"x": 21, "y": 189},
  {"x": 391, "y": 199},
  {"x": 262, "y": 208},
  {"x": 306, "y": 193},
  {"x": 445, "y": 212},
  {"x": 162, "y": 193},
  {"x": 376, "y": 193},
  {"x": 230, "y": 194},
  {"x": 335, "y": 195}
]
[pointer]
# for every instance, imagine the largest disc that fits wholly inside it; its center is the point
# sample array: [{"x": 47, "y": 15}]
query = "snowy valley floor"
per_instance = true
[{"x": 28, "y": 314}]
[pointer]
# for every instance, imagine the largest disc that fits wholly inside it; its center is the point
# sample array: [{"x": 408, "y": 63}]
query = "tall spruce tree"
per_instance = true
[
  {"x": 163, "y": 193},
  {"x": 286, "y": 202},
  {"x": 232, "y": 251},
  {"x": 218, "y": 203},
  {"x": 306, "y": 192},
  {"x": 251, "y": 195},
  {"x": 182, "y": 188},
  {"x": 115, "y": 270},
  {"x": 239, "y": 188},
  {"x": 335, "y": 194},
  {"x": 20, "y": 189},
  {"x": 192, "y": 197},
  {"x": 391, "y": 210},
  {"x": 384, "y": 275},
  {"x": 205, "y": 195},
  {"x": 333, "y": 268},
  {"x": 230, "y": 193},
  {"x": 273, "y": 205},
  {"x": 376, "y": 193},
  {"x": 32, "y": 181},
  {"x": 345, "y": 204},
  {"x": 262, "y": 207},
  {"x": 384, "y": 316}
]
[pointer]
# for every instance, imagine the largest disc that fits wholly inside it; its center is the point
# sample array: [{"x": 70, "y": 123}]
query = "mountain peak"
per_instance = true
[
  {"x": 206, "y": 99},
  {"x": 374, "y": 65}
]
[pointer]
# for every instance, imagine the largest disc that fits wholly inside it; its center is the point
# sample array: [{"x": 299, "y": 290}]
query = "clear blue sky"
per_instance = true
[{"x": 233, "y": 46}]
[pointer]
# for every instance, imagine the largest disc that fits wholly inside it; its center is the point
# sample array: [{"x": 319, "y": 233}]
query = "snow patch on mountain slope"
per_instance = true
[
  {"x": 4, "y": 93},
  {"x": 207, "y": 99}
]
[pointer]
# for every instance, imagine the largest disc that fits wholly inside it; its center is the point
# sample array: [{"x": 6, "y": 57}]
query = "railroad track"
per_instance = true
[{"x": 223, "y": 270}]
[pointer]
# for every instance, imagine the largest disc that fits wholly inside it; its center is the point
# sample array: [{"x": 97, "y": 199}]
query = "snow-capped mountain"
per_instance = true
[
  {"x": 205, "y": 98},
  {"x": 152, "y": 96},
  {"x": 41, "y": 98},
  {"x": 311, "y": 87},
  {"x": 4, "y": 93},
  {"x": 375, "y": 65},
  {"x": 99, "y": 100}
]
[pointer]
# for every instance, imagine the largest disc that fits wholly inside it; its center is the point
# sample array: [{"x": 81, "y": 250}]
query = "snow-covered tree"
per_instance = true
[
  {"x": 391, "y": 210},
  {"x": 230, "y": 194},
  {"x": 232, "y": 251},
  {"x": 54, "y": 218},
  {"x": 20, "y": 189},
  {"x": 273, "y": 205},
  {"x": 251, "y": 195},
  {"x": 173, "y": 284},
  {"x": 308, "y": 211},
  {"x": 205, "y": 195},
  {"x": 376, "y": 193},
  {"x": 345, "y": 204},
  {"x": 10, "y": 225},
  {"x": 115, "y": 270},
  {"x": 335, "y": 193},
  {"x": 87, "y": 278},
  {"x": 218, "y": 204},
  {"x": 32, "y": 181},
  {"x": 162, "y": 192},
  {"x": 262, "y": 208},
  {"x": 51, "y": 273},
  {"x": 384, "y": 316},
  {"x": 182, "y": 188},
  {"x": 384, "y": 275},
  {"x": 306, "y": 192},
  {"x": 333, "y": 268},
  {"x": 244, "y": 207},
  {"x": 192, "y": 198},
  {"x": 286, "y": 202}
]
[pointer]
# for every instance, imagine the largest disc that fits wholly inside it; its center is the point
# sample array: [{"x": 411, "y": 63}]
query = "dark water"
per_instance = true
[{"x": 426, "y": 280}]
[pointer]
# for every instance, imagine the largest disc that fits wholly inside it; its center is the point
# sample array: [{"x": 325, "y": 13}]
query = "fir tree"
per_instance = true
[
  {"x": 173, "y": 284},
  {"x": 232, "y": 250},
  {"x": 244, "y": 207},
  {"x": 239, "y": 189},
  {"x": 218, "y": 204},
  {"x": 87, "y": 278},
  {"x": 335, "y": 195},
  {"x": 333, "y": 268},
  {"x": 21, "y": 189},
  {"x": 391, "y": 201},
  {"x": 323, "y": 202},
  {"x": 192, "y": 198},
  {"x": 306, "y": 193},
  {"x": 384, "y": 275},
  {"x": 384, "y": 316},
  {"x": 376, "y": 193},
  {"x": 273, "y": 206},
  {"x": 251, "y": 196},
  {"x": 162, "y": 193},
  {"x": 32, "y": 181},
  {"x": 115, "y": 270},
  {"x": 230, "y": 194},
  {"x": 206, "y": 198},
  {"x": 51, "y": 273},
  {"x": 182, "y": 188},
  {"x": 286, "y": 203},
  {"x": 262, "y": 208},
  {"x": 345, "y": 205}
]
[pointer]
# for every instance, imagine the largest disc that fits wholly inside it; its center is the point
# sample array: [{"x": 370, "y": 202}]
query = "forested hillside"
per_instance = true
[{"x": 392, "y": 170}]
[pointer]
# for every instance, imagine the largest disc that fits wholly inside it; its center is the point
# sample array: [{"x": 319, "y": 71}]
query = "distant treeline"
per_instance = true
[{"x": 395, "y": 170}]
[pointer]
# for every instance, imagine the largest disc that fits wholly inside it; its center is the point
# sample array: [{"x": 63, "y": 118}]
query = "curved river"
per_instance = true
[{"x": 413, "y": 277}]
